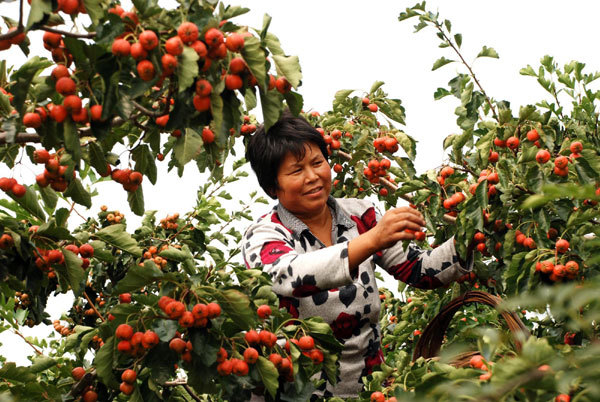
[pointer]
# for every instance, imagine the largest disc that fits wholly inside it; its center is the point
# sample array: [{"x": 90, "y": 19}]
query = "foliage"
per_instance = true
[{"x": 192, "y": 307}]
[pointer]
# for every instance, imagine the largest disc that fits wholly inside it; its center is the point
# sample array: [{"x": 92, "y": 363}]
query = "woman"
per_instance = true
[{"x": 321, "y": 252}]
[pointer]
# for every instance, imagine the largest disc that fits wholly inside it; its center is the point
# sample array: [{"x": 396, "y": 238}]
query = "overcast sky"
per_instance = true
[{"x": 351, "y": 44}]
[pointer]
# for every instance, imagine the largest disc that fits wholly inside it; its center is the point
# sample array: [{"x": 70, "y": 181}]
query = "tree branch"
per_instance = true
[
  {"x": 88, "y": 35},
  {"x": 185, "y": 385},
  {"x": 451, "y": 44},
  {"x": 37, "y": 351},
  {"x": 22, "y": 138},
  {"x": 92, "y": 304},
  {"x": 149, "y": 112}
]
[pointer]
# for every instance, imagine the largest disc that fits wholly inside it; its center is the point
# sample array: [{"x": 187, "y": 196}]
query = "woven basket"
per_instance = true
[{"x": 431, "y": 339}]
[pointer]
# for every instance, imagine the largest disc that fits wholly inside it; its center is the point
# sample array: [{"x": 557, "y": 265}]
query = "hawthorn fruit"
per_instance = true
[
  {"x": 208, "y": 137},
  {"x": 542, "y": 156},
  {"x": 77, "y": 373},
  {"x": 124, "y": 332},
  {"x": 126, "y": 388},
  {"x": 512, "y": 143},
  {"x": 121, "y": 47},
  {"x": 250, "y": 355},
  {"x": 264, "y": 311},
  {"x": 32, "y": 120},
  {"x": 150, "y": 339},
  {"x": 213, "y": 37},
  {"x": 145, "y": 70},
  {"x": 562, "y": 246},
  {"x": 188, "y": 32},
  {"x": 174, "y": 46},
  {"x": 533, "y": 135},
  {"x": 129, "y": 376},
  {"x": 235, "y": 42}
]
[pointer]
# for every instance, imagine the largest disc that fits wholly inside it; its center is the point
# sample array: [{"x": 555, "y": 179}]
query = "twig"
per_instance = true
[
  {"x": 88, "y": 35},
  {"x": 20, "y": 28},
  {"x": 93, "y": 307},
  {"x": 149, "y": 112},
  {"x": 39, "y": 352},
  {"x": 451, "y": 44},
  {"x": 191, "y": 392}
]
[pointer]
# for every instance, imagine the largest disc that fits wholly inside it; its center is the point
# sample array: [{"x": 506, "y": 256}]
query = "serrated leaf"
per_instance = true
[
  {"x": 137, "y": 277},
  {"x": 294, "y": 101},
  {"x": 254, "y": 57},
  {"x": 458, "y": 39},
  {"x": 30, "y": 203},
  {"x": 187, "y": 147},
  {"x": 17, "y": 374},
  {"x": 94, "y": 10},
  {"x": 269, "y": 375},
  {"x": 488, "y": 52},
  {"x": 237, "y": 306},
  {"x": 96, "y": 156},
  {"x": 289, "y": 67},
  {"x": 49, "y": 197},
  {"x": 104, "y": 363},
  {"x": 171, "y": 253},
  {"x": 116, "y": 236},
  {"x": 376, "y": 85},
  {"x": 271, "y": 107},
  {"x": 78, "y": 194},
  {"x": 73, "y": 271},
  {"x": 187, "y": 70},
  {"x": 71, "y": 137},
  {"x": 341, "y": 95},
  {"x": 41, "y": 363},
  {"x": 442, "y": 61},
  {"x": 37, "y": 11},
  {"x": 136, "y": 201},
  {"x": 482, "y": 195}
]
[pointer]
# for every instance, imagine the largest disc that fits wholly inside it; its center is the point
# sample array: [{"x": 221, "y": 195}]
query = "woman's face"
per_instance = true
[{"x": 304, "y": 184}]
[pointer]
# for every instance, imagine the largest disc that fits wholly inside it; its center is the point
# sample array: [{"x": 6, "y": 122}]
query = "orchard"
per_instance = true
[{"x": 166, "y": 311}]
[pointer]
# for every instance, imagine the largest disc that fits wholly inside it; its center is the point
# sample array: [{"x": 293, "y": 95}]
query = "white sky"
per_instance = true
[{"x": 351, "y": 44}]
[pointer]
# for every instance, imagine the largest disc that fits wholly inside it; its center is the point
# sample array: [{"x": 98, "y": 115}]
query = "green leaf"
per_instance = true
[
  {"x": 38, "y": 9},
  {"x": 441, "y": 93},
  {"x": 78, "y": 194},
  {"x": 188, "y": 68},
  {"x": 94, "y": 10},
  {"x": 458, "y": 39},
  {"x": 250, "y": 99},
  {"x": 30, "y": 203},
  {"x": 237, "y": 306},
  {"x": 96, "y": 156},
  {"x": 22, "y": 78},
  {"x": 75, "y": 274},
  {"x": 271, "y": 107},
  {"x": 254, "y": 57},
  {"x": 187, "y": 147},
  {"x": 294, "y": 101},
  {"x": 269, "y": 375},
  {"x": 528, "y": 71},
  {"x": 72, "y": 143},
  {"x": 488, "y": 52},
  {"x": 17, "y": 374},
  {"x": 41, "y": 363},
  {"x": 48, "y": 196},
  {"x": 116, "y": 236},
  {"x": 165, "y": 329},
  {"x": 482, "y": 195},
  {"x": 341, "y": 95},
  {"x": 137, "y": 277},
  {"x": 376, "y": 85},
  {"x": 104, "y": 363},
  {"x": 442, "y": 61},
  {"x": 136, "y": 201},
  {"x": 289, "y": 67},
  {"x": 171, "y": 253}
]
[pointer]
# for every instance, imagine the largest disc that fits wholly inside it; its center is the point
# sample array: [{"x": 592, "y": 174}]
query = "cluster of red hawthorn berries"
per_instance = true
[
  {"x": 247, "y": 127},
  {"x": 198, "y": 316},
  {"x": 62, "y": 329},
  {"x": 113, "y": 217},
  {"x": 89, "y": 393},
  {"x": 11, "y": 186},
  {"x": 151, "y": 254},
  {"x": 366, "y": 102},
  {"x": 54, "y": 173},
  {"x": 130, "y": 180},
  {"x": 386, "y": 144},
  {"x": 135, "y": 344},
  {"x": 170, "y": 222},
  {"x": 15, "y": 40}
]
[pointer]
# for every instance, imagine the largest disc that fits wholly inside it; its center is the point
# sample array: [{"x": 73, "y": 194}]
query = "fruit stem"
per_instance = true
[{"x": 88, "y": 35}]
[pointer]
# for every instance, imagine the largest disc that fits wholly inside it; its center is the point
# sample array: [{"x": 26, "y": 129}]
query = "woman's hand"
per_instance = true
[
  {"x": 389, "y": 230},
  {"x": 393, "y": 225}
]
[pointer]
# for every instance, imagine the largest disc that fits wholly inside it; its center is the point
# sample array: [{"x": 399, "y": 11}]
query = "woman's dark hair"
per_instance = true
[{"x": 266, "y": 149}]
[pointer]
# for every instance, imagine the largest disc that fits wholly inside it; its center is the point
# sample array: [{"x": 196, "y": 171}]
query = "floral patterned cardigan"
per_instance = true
[{"x": 314, "y": 280}]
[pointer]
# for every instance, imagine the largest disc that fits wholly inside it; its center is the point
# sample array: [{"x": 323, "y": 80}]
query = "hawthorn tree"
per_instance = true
[{"x": 167, "y": 312}]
